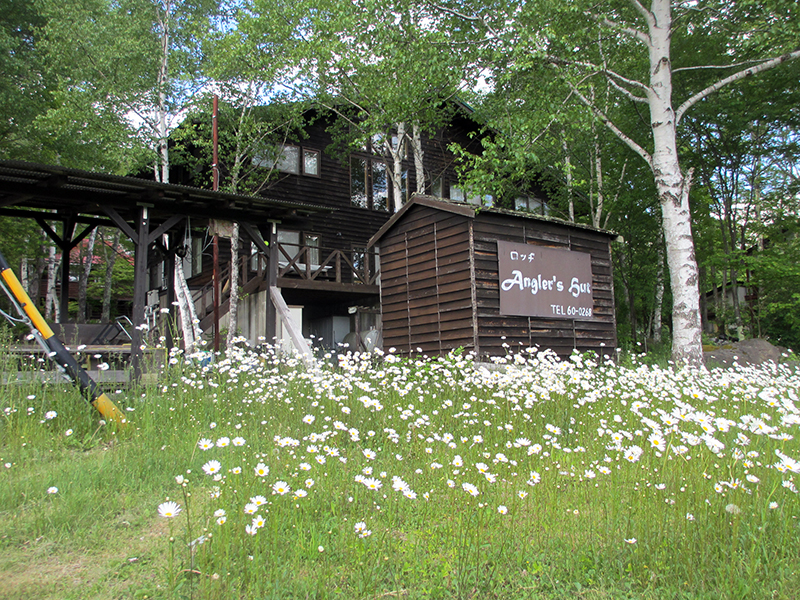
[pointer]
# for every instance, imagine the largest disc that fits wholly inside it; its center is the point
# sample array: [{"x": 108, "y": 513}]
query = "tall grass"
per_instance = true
[{"x": 373, "y": 476}]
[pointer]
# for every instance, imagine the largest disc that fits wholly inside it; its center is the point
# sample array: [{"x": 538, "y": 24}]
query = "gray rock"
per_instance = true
[{"x": 745, "y": 353}]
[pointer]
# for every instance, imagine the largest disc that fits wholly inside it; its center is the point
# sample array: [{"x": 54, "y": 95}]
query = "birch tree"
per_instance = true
[{"x": 638, "y": 62}]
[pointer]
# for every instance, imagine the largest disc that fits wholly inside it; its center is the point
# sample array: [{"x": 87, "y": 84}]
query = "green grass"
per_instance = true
[{"x": 593, "y": 480}]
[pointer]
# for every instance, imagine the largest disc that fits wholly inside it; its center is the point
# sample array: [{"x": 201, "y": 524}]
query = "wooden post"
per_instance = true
[{"x": 215, "y": 277}]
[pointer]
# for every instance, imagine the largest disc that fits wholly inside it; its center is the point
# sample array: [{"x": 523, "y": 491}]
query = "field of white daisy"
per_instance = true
[{"x": 374, "y": 476}]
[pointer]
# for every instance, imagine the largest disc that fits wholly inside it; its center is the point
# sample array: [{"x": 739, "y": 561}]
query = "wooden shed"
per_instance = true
[{"x": 456, "y": 275}]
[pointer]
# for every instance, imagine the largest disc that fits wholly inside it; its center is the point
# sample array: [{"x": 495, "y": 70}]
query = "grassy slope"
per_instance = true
[{"x": 99, "y": 536}]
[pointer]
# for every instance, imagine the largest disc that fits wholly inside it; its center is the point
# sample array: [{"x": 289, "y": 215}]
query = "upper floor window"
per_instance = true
[
  {"x": 369, "y": 183},
  {"x": 292, "y": 159},
  {"x": 531, "y": 204},
  {"x": 292, "y": 243},
  {"x": 288, "y": 160},
  {"x": 460, "y": 194}
]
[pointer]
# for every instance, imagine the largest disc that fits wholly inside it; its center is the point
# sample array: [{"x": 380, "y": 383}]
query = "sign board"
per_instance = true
[{"x": 536, "y": 281}]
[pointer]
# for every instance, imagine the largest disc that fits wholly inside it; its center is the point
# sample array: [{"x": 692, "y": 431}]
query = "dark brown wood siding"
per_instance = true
[
  {"x": 347, "y": 226},
  {"x": 350, "y": 226},
  {"x": 499, "y": 333},
  {"x": 426, "y": 299},
  {"x": 440, "y": 284}
]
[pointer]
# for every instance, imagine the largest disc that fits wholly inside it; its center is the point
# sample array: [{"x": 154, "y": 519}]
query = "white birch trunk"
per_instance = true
[
  {"x": 189, "y": 322},
  {"x": 23, "y": 275},
  {"x": 598, "y": 165},
  {"x": 397, "y": 153},
  {"x": 163, "y": 79},
  {"x": 419, "y": 169},
  {"x": 233, "y": 311},
  {"x": 659, "y": 301},
  {"x": 673, "y": 192},
  {"x": 568, "y": 173},
  {"x": 83, "y": 282},
  {"x": 52, "y": 305}
]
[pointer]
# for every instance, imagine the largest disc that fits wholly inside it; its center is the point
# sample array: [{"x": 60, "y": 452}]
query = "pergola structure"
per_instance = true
[{"x": 148, "y": 213}]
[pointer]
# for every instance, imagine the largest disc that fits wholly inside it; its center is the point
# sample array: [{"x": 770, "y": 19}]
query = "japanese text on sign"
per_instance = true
[{"x": 544, "y": 282}]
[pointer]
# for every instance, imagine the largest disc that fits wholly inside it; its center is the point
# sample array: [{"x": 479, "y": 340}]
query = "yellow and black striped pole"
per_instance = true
[{"x": 55, "y": 349}]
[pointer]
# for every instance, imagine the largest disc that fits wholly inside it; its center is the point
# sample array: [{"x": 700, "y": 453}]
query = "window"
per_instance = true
[
  {"x": 377, "y": 145},
  {"x": 197, "y": 256},
  {"x": 531, "y": 204},
  {"x": 311, "y": 162},
  {"x": 193, "y": 259},
  {"x": 437, "y": 187},
  {"x": 369, "y": 184},
  {"x": 460, "y": 194},
  {"x": 288, "y": 160},
  {"x": 292, "y": 242}
]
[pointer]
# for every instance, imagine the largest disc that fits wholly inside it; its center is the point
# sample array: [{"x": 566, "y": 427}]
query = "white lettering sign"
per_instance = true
[{"x": 545, "y": 282}]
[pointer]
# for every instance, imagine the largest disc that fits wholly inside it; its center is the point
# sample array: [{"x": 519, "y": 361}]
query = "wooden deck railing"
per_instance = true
[
  {"x": 358, "y": 267},
  {"x": 355, "y": 267}
]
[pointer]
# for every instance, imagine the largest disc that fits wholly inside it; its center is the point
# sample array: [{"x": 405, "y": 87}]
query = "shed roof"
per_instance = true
[{"x": 471, "y": 211}]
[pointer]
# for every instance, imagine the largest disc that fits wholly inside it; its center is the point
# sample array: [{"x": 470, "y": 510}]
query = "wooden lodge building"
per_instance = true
[
  {"x": 323, "y": 247},
  {"x": 425, "y": 278}
]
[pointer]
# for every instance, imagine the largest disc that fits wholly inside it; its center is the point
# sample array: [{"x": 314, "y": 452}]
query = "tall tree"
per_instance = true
[
  {"x": 129, "y": 64},
  {"x": 631, "y": 46}
]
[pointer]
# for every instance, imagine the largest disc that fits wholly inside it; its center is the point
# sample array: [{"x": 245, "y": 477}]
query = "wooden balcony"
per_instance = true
[
  {"x": 332, "y": 269},
  {"x": 355, "y": 272}
]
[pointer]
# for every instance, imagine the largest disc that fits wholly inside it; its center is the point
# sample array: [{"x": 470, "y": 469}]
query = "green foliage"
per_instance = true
[
  {"x": 23, "y": 88},
  {"x": 776, "y": 271},
  {"x": 248, "y": 136}
]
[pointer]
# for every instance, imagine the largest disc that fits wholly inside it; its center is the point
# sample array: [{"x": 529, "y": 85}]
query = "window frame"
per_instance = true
[
  {"x": 367, "y": 166},
  {"x": 279, "y": 162}
]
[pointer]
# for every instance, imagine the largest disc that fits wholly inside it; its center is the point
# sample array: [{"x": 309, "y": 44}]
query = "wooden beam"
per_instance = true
[
  {"x": 255, "y": 235},
  {"x": 121, "y": 223},
  {"x": 329, "y": 286},
  {"x": 295, "y": 332},
  {"x": 164, "y": 227}
]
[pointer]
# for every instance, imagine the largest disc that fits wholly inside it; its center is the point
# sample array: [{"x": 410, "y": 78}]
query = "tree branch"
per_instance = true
[
  {"x": 607, "y": 72},
  {"x": 648, "y": 16},
  {"x": 473, "y": 18},
  {"x": 601, "y": 116},
  {"x": 631, "y": 31},
  {"x": 765, "y": 66},
  {"x": 698, "y": 67},
  {"x": 627, "y": 93}
]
